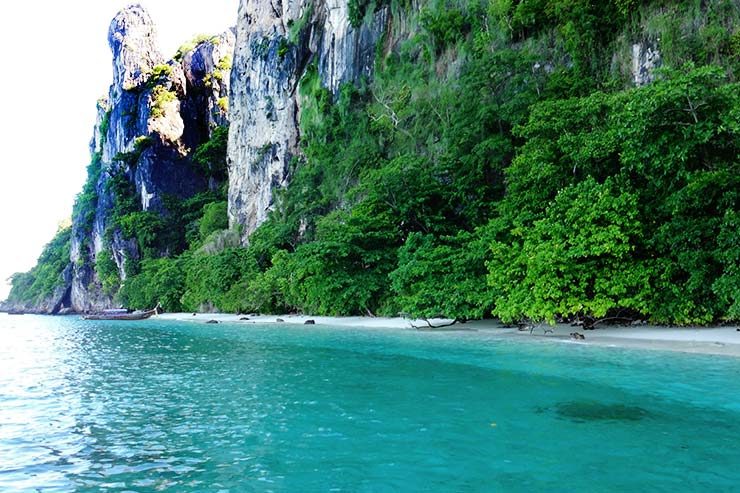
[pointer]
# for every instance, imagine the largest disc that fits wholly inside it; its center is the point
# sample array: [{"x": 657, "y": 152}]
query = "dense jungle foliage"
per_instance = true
[
  {"x": 502, "y": 162},
  {"x": 33, "y": 287}
]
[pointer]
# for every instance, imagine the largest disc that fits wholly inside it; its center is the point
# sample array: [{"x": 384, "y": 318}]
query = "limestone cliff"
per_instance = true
[
  {"x": 275, "y": 42},
  {"x": 156, "y": 113}
]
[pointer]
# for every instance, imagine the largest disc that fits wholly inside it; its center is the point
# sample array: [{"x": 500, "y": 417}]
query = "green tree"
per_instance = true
[
  {"x": 443, "y": 277},
  {"x": 160, "y": 281},
  {"x": 32, "y": 287},
  {"x": 214, "y": 218},
  {"x": 581, "y": 258},
  {"x": 210, "y": 156}
]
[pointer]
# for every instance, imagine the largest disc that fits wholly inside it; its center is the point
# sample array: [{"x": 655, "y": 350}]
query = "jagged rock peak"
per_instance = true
[{"x": 132, "y": 37}]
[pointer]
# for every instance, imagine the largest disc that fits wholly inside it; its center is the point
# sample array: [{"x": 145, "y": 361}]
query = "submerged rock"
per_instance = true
[{"x": 583, "y": 411}]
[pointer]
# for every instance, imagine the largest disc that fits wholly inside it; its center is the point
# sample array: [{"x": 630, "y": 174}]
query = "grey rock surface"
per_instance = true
[
  {"x": 132, "y": 37},
  {"x": 155, "y": 114},
  {"x": 275, "y": 43},
  {"x": 646, "y": 59}
]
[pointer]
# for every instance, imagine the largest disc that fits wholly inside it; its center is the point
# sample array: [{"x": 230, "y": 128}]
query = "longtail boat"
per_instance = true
[{"x": 121, "y": 314}]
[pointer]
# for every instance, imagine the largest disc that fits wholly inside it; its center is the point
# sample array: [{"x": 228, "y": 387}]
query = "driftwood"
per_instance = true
[
  {"x": 524, "y": 326},
  {"x": 430, "y": 326}
]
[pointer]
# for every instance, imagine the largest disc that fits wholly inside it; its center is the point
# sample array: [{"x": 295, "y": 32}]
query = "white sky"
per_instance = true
[{"x": 55, "y": 65}]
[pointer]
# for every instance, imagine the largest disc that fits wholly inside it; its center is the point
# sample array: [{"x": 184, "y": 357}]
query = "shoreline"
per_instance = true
[
  {"x": 712, "y": 340},
  {"x": 722, "y": 341}
]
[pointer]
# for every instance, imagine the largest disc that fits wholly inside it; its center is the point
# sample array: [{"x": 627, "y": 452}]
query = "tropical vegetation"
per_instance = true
[{"x": 502, "y": 162}]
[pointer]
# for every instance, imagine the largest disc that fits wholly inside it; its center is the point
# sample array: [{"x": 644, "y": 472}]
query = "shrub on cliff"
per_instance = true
[
  {"x": 210, "y": 156},
  {"x": 214, "y": 219},
  {"x": 160, "y": 281}
]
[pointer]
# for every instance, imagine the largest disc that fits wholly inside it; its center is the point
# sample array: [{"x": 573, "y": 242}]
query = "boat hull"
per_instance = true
[{"x": 120, "y": 316}]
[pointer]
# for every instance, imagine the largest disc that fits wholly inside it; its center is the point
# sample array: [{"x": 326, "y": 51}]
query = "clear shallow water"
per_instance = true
[{"x": 164, "y": 406}]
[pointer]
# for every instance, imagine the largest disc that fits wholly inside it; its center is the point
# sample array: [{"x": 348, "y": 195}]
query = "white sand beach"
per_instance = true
[{"x": 705, "y": 340}]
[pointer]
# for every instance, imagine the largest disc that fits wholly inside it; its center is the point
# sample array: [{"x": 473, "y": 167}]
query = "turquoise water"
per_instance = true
[{"x": 183, "y": 407}]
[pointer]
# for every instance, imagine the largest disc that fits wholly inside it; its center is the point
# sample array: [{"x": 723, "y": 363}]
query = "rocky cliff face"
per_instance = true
[
  {"x": 275, "y": 43},
  {"x": 645, "y": 60},
  {"x": 156, "y": 113}
]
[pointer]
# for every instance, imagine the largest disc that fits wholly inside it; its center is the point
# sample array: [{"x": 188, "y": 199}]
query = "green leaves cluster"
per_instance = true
[
  {"x": 159, "y": 281},
  {"x": 83, "y": 211},
  {"x": 210, "y": 156},
  {"x": 131, "y": 158},
  {"x": 160, "y": 97},
  {"x": 623, "y": 202},
  {"x": 214, "y": 219},
  {"x": 359, "y": 8},
  {"x": 580, "y": 258},
  {"x": 107, "y": 272},
  {"x": 159, "y": 74},
  {"x": 188, "y": 46}
]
